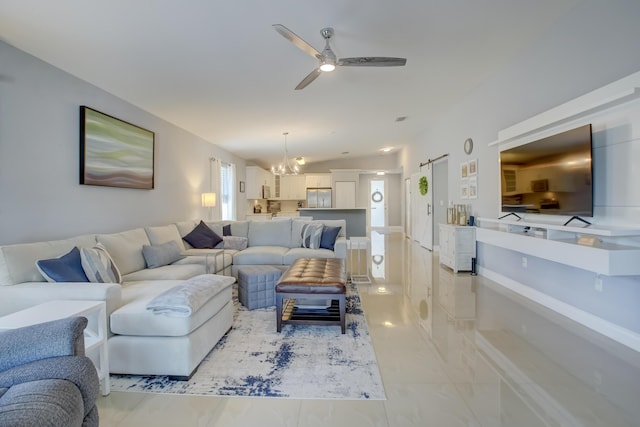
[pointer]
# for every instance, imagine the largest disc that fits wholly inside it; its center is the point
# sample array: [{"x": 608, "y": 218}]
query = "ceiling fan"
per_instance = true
[{"x": 328, "y": 59}]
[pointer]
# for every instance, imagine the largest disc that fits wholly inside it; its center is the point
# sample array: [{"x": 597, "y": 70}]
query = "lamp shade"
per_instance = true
[{"x": 208, "y": 200}]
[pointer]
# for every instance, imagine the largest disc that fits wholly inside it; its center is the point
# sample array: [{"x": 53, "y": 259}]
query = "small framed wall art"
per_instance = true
[
  {"x": 242, "y": 186},
  {"x": 115, "y": 153},
  {"x": 464, "y": 189},
  {"x": 473, "y": 167},
  {"x": 464, "y": 170},
  {"x": 473, "y": 187}
]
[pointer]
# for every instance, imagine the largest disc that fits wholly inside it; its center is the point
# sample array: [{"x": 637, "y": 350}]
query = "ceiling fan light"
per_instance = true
[{"x": 327, "y": 66}]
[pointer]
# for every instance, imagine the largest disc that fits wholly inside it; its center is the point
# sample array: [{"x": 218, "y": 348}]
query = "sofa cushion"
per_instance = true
[
  {"x": 185, "y": 227},
  {"x": 202, "y": 237},
  {"x": 126, "y": 249},
  {"x": 226, "y": 230},
  {"x": 271, "y": 255},
  {"x": 65, "y": 268},
  {"x": 99, "y": 266},
  {"x": 165, "y": 233},
  {"x": 329, "y": 235},
  {"x": 18, "y": 262},
  {"x": 296, "y": 230},
  {"x": 166, "y": 272},
  {"x": 311, "y": 234},
  {"x": 240, "y": 228},
  {"x": 216, "y": 226},
  {"x": 134, "y": 319},
  {"x": 297, "y": 253},
  {"x": 270, "y": 233},
  {"x": 159, "y": 255}
]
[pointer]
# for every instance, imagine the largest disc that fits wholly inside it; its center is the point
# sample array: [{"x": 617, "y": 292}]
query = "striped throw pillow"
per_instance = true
[
  {"x": 99, "y": 266},
  {"x": 311, "y": 235}
]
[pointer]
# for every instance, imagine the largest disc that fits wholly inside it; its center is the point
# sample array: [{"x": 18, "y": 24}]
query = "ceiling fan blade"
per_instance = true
[
  {"x": 310, "y": 77},
  {"x": 372, "y": 61},
  {"x": 293, "y": 38}
]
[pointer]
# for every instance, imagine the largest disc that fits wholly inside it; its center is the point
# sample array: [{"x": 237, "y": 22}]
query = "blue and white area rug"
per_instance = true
[{"x": 301, "y": 362}]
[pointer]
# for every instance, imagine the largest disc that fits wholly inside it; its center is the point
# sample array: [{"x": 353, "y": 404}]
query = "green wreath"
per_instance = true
[{"x": 424, "y": 185}]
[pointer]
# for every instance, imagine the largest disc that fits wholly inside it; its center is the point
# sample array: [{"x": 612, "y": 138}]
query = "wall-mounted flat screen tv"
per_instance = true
[{"x": 552, "y": 176}]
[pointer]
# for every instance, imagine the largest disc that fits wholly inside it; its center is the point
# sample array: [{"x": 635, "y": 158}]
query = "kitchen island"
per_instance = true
[{"x": 356, "y": 218}]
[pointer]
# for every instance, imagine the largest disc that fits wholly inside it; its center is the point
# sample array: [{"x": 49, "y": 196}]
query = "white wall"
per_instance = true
[
  {"x": 40, "y": 194},
  {"x": 595, "y": 44}
]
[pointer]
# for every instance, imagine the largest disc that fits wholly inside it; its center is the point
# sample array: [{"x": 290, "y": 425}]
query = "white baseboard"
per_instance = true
[{"x": 622, "y": 335}]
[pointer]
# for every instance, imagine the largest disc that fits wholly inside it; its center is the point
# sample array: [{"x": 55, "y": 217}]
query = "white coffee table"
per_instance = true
[{"x": 95, "y": 334}]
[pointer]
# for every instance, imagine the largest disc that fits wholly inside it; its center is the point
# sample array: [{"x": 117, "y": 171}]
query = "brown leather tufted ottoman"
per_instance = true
[{"x": 321, "y": 278}]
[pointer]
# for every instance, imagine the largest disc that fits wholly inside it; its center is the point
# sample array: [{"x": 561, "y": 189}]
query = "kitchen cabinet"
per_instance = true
[
  {"x": 257, "y": 177},
  {"x": 290, "y": 187},
  {"x": 457, "y": 246},
  {"x": 318, "y": 180}
]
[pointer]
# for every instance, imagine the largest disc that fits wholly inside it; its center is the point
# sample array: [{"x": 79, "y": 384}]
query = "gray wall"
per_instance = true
[
  {"x": 594, "y": 44},
  {"x": 39, "y": 159}
]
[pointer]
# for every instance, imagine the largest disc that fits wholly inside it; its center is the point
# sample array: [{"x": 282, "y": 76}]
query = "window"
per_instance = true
[{"x": 227, "y": 191}]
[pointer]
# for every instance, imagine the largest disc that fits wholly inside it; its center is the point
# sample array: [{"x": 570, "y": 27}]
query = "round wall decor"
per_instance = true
[
  {"x": 423, "y": 184},
  {"x": 376, "y": 196},
  {"x": 468, "y": 145}
]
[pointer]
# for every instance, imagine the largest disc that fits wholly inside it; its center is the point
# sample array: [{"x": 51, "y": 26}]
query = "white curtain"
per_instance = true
[{"x": 227, "y": 191}]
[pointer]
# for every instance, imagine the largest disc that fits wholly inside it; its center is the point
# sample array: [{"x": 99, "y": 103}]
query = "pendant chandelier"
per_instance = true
[{"x": 286, "y": 168}]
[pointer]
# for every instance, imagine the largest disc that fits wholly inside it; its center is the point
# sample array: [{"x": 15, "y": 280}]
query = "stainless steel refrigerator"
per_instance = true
[{"x": 318, "y": 197}]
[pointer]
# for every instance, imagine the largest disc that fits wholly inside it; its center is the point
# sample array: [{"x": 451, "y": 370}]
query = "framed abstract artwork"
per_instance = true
[{"x": 114, "y": 153}]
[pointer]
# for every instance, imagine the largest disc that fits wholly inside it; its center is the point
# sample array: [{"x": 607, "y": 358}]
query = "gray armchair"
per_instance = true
[{"x": 45, "y": 378}]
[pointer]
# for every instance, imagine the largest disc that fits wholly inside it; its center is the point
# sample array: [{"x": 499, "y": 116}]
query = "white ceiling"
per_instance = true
[{"x": 218, "y": 69}]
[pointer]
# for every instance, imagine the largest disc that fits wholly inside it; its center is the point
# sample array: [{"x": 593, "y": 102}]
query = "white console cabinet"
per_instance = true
[
  {"x": 612, "y": 251},
  {"x": 457, "y": 246}
]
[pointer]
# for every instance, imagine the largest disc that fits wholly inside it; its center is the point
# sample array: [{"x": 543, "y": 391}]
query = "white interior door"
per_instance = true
[
  {"x": 417, "y": 226},
  {"x": 422, "y": 206},
  {"x": 378, "y": 203}
]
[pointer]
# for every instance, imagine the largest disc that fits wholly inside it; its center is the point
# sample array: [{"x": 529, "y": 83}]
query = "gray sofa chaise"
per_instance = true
[{"x": 45, "y": 377}]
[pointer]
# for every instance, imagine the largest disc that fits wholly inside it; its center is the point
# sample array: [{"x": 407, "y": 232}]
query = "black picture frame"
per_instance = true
[
  {"x": 115, "y": 153},
  {"x": 242, "y": 186}
]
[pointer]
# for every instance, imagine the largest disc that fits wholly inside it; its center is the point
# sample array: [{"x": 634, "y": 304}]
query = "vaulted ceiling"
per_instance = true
[{"x": 219, "y": 70}]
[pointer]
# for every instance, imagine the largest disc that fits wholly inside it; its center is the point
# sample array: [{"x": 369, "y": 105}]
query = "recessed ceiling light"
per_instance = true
[
  {"x": 401, "y": 118},
  {"x": 380, "y": 173},
  {"x": 345, "y": 152},
  {"x": 386, "y": 149}
]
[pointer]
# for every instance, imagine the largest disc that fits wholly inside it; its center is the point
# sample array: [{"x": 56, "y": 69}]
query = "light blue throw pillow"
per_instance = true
[
  {"x": 159, "y": 255},
  {"x": 67, "y": 268}
]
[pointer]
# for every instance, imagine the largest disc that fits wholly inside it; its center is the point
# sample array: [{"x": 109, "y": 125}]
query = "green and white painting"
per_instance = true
[{"x": 114, "y": 153}]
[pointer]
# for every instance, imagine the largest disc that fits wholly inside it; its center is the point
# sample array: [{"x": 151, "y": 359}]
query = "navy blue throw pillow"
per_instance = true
[
  {"x": 226, "y": 230},
  {"x": 329, "y": 236},
  {"x": 67, "y": 268},
  {"x": 202, "y": 237}
]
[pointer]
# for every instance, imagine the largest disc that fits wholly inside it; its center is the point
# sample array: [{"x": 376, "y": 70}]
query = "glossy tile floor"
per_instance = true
[{"x": 453, "y": 350}]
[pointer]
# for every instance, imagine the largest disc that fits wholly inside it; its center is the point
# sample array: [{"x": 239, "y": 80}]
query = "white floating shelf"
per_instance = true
[{"x": 567, "y": 245}]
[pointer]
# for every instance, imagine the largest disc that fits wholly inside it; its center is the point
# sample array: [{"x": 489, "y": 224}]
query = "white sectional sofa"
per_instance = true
[{"x": 141, "y": 342}]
